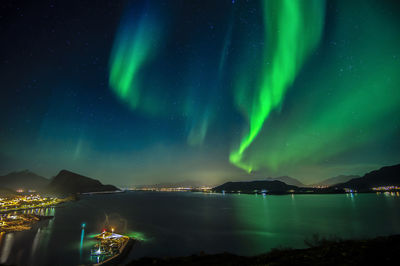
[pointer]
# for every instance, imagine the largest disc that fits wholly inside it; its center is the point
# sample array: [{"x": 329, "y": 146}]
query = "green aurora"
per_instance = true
[
  {"x": 352, "y": 107},
  {"x": 132, "y": 50},
  {"x": 292, "y": 30},
  {"x": 345, "y": 101}
]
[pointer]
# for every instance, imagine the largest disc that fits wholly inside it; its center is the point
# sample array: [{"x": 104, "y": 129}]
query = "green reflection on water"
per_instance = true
[
  {"x": 82, "y": 237},
  {"x": 138, "y": 236}
]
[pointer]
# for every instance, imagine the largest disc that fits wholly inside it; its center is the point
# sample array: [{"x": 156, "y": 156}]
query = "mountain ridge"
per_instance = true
[
  {"x": 25, "y": 179},
  {"x": 384, "y": 176},
  {"x": 287, "y": 180},
  {"x": 336, "y": 180},
  {"x": 273, "y": 186},
  {"x": 69, "y": 182}
]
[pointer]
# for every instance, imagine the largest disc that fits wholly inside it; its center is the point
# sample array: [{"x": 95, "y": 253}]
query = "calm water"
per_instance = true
[{"x": 172, "y": 224}]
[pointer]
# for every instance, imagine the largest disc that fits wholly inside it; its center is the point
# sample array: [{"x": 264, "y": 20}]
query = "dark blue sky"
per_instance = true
[{"x": 59, "y": 109}]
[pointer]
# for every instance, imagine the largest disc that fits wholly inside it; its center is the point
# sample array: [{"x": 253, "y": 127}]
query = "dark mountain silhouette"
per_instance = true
[
  {"x": 23, "y": 180},
  {"x": 385, "y": 176},
  {"x": 185, "y": 183},
  {"x": 336, "y": 180},
  {"x": 5, "y": 192},
  {"x": 69, "y": 182},
  {"x": 287, "y": 180},
  {"x": 261, "y": 176},
  {"x": 249, "y": 187}
]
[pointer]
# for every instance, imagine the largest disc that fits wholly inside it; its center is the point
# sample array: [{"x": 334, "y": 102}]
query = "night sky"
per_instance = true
[{"x": 140, "y": 92}]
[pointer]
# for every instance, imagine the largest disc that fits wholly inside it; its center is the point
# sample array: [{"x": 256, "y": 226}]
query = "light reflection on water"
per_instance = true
[
  {"x": 81, "y": 246},
  {"x": 6, "y": 247},
  {"x": 39, "y": 211},
  {"x": 172, "y": 224},
  {"x": 35, "y": 243}
]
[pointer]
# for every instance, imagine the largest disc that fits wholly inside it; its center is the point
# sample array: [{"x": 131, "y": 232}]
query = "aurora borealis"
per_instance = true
[
  {"x": 137, "y": 92},
  {"x": 135, "y": 44},
  {"x": 293, "y": 29}
]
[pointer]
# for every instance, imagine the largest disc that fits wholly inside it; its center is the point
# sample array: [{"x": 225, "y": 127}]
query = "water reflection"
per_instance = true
[
  {"x": 39, "y": 211},
  {"x": 389, "y": 193},
  {"x": 242, "y": 224},
  {"x": 35, "y": 243},
  {"x": 5, "y": 252},
  {"x": 24, "y": 247},
  {"x": 82, "y": 237}
]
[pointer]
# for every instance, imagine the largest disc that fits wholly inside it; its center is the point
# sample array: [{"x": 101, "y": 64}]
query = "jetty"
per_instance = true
[{"x": 111, "y": 248}]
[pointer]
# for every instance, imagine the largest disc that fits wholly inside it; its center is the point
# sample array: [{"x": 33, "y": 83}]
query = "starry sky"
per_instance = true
[{"x": 143, "y": 92}]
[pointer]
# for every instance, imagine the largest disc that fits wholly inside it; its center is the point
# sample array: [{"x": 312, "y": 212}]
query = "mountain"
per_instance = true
[
  {"x": 186, "y": 184},
  {"x": 287, "y": 180},
  {"x": 5, "y": 192},
  {"x": 336, "y": 180},
  {"x": 385, "y": 176},
  {"x": 69, "y": 182},
  {"x": 249, "y": 187},
  {"x": 23, "y": 180}
]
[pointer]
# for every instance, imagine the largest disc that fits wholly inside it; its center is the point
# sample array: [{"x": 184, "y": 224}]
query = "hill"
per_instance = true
[
  {"x": 5, "y": 192},
  {"x": 385, "y": 176},
  {"x": 287, "y": 180},
  {"x": 336, "y": 180},
  {"x": 249, "y": 187},
  {"x": 25, "y": 180},
  {"x": 68, "y": 182}
]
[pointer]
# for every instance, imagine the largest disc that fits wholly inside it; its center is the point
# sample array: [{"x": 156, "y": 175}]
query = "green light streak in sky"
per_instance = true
[
  {"x": 341, "y": 114},
  {"x": 134, "y": 45},
  {"x": 346, "y": 108},
  {"x": 292, "y": 30},
  {"x": 198, "y": 129}
]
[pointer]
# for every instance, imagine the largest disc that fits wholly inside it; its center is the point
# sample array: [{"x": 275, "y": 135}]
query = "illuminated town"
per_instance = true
[
  {"x": 19, "y": 213},
  {"x": 23, "y": 202},
  {"x": 386, "y": 188},
  {"x": 173, "y": 189},
  {"x": 17, "y": 222}
]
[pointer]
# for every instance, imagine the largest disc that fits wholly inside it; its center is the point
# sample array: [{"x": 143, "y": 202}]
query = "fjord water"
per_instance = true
[{"x": 173, "y": 224}]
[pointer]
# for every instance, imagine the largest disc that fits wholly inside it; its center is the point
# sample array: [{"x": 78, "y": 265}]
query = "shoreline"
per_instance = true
[
  {"x": 25, "y": 222},
  {"x": 30, "y": 208},
  {"x": 270, "y": 193}
]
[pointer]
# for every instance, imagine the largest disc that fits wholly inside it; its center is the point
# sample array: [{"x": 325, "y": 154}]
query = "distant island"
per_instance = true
[
  {"x": 272, "y": 187},
  {"x": 384, "y": 179}
]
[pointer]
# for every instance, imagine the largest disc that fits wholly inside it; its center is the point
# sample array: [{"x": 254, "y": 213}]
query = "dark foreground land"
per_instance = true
[{"x": 378, "y": 251}]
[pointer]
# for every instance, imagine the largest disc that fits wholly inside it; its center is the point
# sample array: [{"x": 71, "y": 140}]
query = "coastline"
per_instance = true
[{"x": 15, "y": 220}]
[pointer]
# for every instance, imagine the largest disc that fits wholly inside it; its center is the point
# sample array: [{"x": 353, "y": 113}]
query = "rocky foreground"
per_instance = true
[{"x": 377, "y": 251}]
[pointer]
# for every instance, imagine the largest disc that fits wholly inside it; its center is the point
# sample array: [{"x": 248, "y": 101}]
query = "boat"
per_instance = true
[{"x": 110, "y": 248}]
